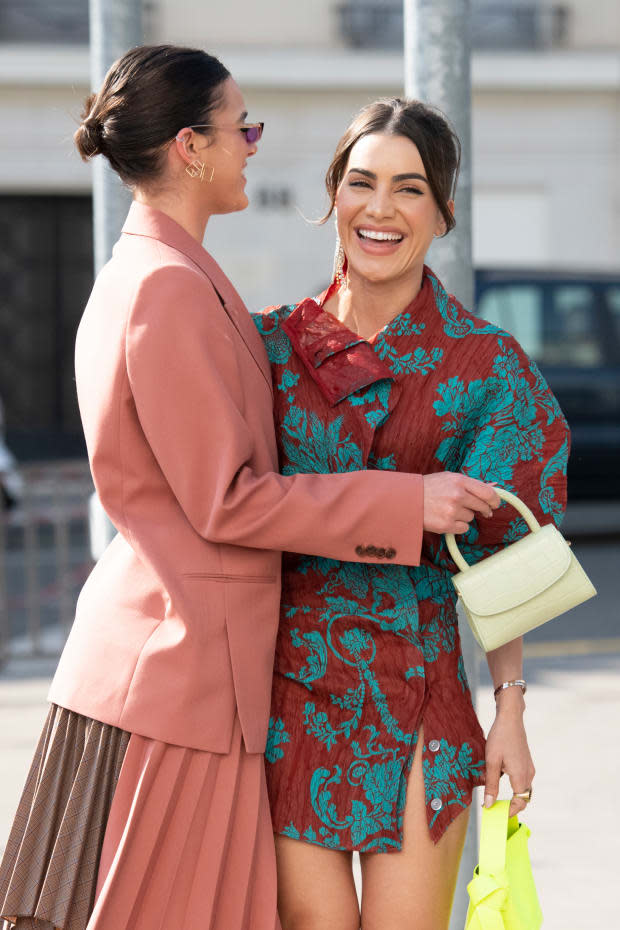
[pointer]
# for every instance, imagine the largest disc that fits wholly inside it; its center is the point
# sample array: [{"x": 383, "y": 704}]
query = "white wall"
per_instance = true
[
  {"x": 269, "y": 23},
  {"x": 36, "y": 149},
  {"x": 563, "y": 150},
  {"x": 511, "y": 227},
  {"x": 593, "y": 23}
]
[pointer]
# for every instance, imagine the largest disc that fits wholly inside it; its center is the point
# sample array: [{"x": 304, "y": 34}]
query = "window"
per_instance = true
[
  {"x": 494, "y": 24},
  {"x": 612, "y": 296},
  {"x": 572, "y": 333},
  {"x": 556, "y": 324},
  {"x": 517, "y": 308},
  {"x": 44, "y": 21}
]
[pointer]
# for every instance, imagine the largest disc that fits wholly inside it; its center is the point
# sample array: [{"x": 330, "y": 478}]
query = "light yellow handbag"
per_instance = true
[
  {"x": 502, "y": 893},
  {"x": 521, "y": 586}
]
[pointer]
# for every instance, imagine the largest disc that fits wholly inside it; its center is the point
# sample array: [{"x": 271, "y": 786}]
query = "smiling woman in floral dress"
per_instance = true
[{"x": 374, "y": 743}]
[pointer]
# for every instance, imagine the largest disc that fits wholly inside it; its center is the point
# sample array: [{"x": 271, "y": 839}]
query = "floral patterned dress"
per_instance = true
[{"x": 367, "y": 654}]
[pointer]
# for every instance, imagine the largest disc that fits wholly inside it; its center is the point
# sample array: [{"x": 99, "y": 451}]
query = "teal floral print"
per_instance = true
[
  {"x": 445, "y": 770},
  {"x": 368, "y": 666},
  {"x": 275, "y": 736}
]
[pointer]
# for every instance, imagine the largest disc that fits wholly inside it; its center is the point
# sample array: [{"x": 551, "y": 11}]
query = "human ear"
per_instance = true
[
  {"x": 185, "y": 145},
  {"x": 440, "y": 229}
]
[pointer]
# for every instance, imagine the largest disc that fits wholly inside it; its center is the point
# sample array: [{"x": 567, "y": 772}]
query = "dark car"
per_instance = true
[{"x": 569, "y": 323}]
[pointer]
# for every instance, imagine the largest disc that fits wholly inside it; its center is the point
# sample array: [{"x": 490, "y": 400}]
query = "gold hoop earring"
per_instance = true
[{"x": 196, "y": 169}]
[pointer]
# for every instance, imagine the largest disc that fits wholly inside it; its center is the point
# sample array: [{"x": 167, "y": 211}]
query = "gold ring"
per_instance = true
[{"x": 524, "y": 795}]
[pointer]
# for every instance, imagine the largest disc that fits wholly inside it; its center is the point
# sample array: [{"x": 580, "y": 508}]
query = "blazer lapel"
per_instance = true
[{"x": 146, "y": 221}]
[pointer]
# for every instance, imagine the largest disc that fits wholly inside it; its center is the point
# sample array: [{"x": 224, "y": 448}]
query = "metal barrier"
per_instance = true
[{"x": 44, "y": 558}]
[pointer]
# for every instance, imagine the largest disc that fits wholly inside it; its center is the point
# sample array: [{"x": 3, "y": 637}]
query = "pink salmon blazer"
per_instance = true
[{"x": 175, "y": 627}]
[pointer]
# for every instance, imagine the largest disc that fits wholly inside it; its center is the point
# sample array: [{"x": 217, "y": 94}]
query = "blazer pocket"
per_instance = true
[{"x": 228, "y": 579}]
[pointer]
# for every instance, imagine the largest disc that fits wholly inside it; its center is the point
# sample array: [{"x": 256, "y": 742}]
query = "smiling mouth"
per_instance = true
[{"x": 379, "y": 235}]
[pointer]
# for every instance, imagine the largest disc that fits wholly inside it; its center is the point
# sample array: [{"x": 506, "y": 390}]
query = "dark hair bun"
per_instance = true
[
  {"x": 89, "y": 134},
  {"x": 146, "y": 97}
]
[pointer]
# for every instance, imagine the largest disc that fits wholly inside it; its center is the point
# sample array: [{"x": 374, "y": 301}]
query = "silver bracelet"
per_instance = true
[{"x": 510, "y": 684}]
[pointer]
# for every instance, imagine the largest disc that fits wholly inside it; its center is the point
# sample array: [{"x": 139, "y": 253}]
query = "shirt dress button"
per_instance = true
[
  {"x": 434, "y": 745},
  {"x": 436, "y": 804}
]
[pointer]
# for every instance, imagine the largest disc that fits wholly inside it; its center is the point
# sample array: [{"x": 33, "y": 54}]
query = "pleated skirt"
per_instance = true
[{"x": 119, "y": 832}]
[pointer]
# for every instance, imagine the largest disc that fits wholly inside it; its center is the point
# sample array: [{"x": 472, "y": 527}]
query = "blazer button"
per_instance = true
[
  {"x": 380, "y": 553},
  {"x": 390, "y": 553},
  {"x": 360, "y": 550}
]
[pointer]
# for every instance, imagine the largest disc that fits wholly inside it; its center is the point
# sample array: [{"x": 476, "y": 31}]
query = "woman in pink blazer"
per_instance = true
[{"x": 145, "y": 807}]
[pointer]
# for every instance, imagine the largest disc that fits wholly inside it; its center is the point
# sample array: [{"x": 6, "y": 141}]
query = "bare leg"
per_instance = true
[
  {"x": 316, "y": 890},
  {"x": 413, "y": 889}
]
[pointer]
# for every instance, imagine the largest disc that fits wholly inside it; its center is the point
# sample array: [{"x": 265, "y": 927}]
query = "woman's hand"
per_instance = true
[
  {"x": 507, "y": 751},
  {"x": 452, "y": 500}
]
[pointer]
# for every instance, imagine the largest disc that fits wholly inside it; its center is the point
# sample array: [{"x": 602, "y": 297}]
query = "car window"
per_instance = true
[
  {"x": 556, "y": 324},
  {"x": 517, "y": 308},
  {"x": 572, "y": 331},
  {"x": 613, "y": 303}
]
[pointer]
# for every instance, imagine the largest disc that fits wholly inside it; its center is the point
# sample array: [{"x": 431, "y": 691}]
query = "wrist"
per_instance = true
[
  {"x": 511, "y": 683},
  {"x": 510, "y": 701}
]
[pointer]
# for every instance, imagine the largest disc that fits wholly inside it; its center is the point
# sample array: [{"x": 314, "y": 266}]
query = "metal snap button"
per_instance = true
[
  {"x": 436, "y": 804},
  {"x": 434, "y": 745}
]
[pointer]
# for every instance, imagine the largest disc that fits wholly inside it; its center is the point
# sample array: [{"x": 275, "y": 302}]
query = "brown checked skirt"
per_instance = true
[{"x": 115, "y": 831}]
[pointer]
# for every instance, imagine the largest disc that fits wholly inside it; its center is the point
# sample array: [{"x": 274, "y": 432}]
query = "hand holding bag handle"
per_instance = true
[
  {"x": 522, "y": 585},
  {"x": 510, "y": 498}
]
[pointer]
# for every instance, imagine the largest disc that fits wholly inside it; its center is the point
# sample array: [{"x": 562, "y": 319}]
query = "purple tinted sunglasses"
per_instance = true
[{"x": 251, "y": 131}]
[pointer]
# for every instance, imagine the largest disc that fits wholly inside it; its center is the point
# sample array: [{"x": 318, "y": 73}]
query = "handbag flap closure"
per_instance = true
[{"x": 516, "y": 574}]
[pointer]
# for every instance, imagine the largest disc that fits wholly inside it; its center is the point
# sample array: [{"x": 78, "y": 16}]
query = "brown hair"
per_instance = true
[
  {"x": 146, "y": 97},
  {"x": 425, "y": 126}
]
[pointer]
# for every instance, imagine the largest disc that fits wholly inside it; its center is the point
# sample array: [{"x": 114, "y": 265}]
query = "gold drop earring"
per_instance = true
[
  {"x": 339, "y": 263},
  {"x": 196, "y": 169},
  {"x": 340, "y": 259}
]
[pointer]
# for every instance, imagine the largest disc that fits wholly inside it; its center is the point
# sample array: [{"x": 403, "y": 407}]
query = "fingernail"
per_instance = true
[{"x": 488, "y": 800}]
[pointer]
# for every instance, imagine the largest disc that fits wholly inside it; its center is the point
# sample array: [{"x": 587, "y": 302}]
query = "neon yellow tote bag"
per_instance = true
[{"x": 502, "y": 893}]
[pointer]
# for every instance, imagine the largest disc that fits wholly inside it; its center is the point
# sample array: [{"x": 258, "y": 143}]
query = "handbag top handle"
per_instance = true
[
  {"x": 493, "y": 837},
  {"x": 510, "y": 498}
]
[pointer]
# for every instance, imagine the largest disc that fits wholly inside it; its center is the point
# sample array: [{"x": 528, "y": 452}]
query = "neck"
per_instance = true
[
  {"x": 366, "y": 307},
  {"x": 179, "y": 207}
]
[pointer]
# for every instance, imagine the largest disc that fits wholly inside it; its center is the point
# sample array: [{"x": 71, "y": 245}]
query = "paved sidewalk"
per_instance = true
[{"x": 573, "y": 725}]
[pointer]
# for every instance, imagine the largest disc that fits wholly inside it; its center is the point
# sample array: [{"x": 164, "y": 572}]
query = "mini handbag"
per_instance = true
[
  {"x": 502, "y": 893},
  {"x": 523, "y": 585}
]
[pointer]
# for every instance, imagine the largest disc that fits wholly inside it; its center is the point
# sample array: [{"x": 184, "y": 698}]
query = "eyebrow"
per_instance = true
[
  {"x": 243, "y": 116},
  {"x": 409, "y": 176}
]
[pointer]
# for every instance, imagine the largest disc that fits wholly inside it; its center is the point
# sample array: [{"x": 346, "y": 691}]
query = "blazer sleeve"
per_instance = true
[
  {"x": 521, "y": 441},
  {"x": 182, "y": 364}
]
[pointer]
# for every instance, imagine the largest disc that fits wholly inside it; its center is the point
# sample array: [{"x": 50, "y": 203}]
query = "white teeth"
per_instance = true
[{"x": 380, "y": 236}]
